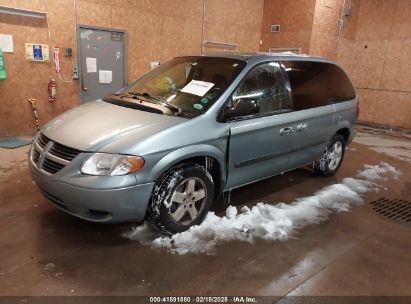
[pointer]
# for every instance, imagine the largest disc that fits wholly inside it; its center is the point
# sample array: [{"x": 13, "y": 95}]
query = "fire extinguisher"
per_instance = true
[{"x": 52, "y": 86}]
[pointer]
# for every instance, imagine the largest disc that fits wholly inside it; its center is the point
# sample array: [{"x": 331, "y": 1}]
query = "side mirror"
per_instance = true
[{"x": 241, "y": 107}]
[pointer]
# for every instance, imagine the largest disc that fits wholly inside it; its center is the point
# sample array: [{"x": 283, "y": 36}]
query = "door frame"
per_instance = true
[{"x": 91, "y": 27}]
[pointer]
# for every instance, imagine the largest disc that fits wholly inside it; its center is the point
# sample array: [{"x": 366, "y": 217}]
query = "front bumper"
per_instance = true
[{"x": 114, "y": 205}]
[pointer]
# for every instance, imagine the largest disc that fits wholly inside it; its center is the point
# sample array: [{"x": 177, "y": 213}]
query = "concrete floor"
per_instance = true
[{"x": 46, "y": 252}]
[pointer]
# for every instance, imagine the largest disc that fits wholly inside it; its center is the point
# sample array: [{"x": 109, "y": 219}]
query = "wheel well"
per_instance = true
[
  {"x": 345, "y": 132},
  {"x": 212, "y": 166}
]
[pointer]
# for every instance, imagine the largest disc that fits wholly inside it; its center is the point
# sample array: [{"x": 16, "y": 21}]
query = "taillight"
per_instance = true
[{"x": 358, "y": 108}]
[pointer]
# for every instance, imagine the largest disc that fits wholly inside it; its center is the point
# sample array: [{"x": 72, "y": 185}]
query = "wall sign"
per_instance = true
[
  {"x": 91, "y": 64},
  {"x": 117, "y": 36},
  {"x": 37, "y": 52},
  {"x": 6, "y": 43},
  {"x": 105, "y": 76}
]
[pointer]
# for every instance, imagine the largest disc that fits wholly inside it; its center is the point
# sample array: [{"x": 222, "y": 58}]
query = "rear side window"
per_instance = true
[{"x": 316, "y": 84}]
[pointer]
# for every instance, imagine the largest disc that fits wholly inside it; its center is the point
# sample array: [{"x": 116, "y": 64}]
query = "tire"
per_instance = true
[
  {"x": 181, "y": 199},
  {"x": 332, "y": 157}
]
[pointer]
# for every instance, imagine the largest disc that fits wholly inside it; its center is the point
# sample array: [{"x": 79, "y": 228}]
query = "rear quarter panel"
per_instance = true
[{"x": 346, "y": 117}]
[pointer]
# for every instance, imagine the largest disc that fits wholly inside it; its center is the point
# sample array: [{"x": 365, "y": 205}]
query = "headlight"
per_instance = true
[{"x": 112, "y": 164}]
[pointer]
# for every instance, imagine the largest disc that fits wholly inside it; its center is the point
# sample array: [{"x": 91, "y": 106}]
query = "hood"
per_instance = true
[{"x": 93, "y": 125}]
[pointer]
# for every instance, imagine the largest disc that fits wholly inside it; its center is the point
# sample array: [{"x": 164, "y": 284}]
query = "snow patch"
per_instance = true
[
  {"x": 399, "y": 149},
  {"x": 268, "y": 222},
  {"x": 375, "y": 172}
]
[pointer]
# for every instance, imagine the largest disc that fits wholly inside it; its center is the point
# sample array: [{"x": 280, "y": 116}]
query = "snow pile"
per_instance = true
[
  {"x": 374, "y": 172},
  {"x": 268, "y": 222}
]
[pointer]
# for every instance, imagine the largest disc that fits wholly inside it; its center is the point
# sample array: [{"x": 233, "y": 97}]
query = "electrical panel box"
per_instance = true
[
  {"x": 37, "y": 52},
  {"x": 68, "y": 52},
  {"x": 275, "y": 28}
]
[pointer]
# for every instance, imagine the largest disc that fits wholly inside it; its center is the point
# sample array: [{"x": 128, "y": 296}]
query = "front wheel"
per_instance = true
[
  {"x": 181, "y": 199},
  {"x": 332, "y": 157}
]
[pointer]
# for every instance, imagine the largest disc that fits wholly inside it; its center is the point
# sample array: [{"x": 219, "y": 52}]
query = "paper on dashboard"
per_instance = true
[{"x": 197, "y": 87}]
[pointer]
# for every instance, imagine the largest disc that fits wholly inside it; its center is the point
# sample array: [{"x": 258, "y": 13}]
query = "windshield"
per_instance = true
[{"x": 189, "y": 84}]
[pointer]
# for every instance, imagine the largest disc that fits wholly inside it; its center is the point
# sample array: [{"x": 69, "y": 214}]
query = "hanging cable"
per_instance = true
[
  {"x": 340, "y": 28},
  {"x": 50, "y": 40}
]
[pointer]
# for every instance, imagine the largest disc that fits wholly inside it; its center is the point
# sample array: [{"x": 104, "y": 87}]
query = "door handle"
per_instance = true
[
  {"x": 287, "y": 131},
  {"x": 302, "y": 127}
]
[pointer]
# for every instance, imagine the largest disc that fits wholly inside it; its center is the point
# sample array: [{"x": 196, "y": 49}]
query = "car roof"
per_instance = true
[{"x": 260, "y": 56}]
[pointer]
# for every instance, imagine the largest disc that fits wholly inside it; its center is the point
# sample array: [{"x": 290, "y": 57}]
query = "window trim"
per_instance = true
[
  {"x": 220, "y": 113},
  {"x": 259, "y": 115}
]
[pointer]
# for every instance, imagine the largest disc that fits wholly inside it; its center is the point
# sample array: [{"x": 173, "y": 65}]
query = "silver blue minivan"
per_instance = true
[{"x": 170, "y": 143}]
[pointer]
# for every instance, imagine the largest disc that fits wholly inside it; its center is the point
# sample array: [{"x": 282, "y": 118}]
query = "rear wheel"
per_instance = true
[
  {"x": 181, "y": 199},
  {"x": 332, "y": 157}
]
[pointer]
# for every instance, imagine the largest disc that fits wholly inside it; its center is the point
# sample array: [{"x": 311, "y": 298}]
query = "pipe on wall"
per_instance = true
[
  {"x": 203, "y": 26},
  {"x": 340, "y": 28}
]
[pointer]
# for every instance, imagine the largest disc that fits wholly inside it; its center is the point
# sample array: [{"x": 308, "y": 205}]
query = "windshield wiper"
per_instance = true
[{"x": 178, "y": 110}]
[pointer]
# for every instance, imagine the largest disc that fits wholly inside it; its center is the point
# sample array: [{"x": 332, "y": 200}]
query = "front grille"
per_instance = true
[
  {"x": 56, "y": 155},
  {"x": 51, "y": 166},
  {"x": 63, "y": 151},
  {"x": 36, "y": 156},
  {"x": 42, "y": 140}
]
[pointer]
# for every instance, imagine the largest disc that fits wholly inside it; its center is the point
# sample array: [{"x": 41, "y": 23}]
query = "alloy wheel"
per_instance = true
[
  {"x": 335, "y": 155},
  {"x": 188, "y": 201}
]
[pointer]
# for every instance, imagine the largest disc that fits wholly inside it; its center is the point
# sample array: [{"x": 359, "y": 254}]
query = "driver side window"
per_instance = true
[{"x": 263, "y": 87}]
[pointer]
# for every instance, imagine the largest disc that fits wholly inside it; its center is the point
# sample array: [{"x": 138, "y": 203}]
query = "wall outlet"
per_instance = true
[{"x": 75, "y": 72}]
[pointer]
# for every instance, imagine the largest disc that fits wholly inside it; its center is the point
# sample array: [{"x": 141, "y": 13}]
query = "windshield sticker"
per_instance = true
[
  {"x": 204, "y": 100},
  {"x": 197, "y": 87},
  {"x": 198, "y": 106}
]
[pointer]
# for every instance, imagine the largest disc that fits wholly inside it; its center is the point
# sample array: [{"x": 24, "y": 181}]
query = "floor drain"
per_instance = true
[{"x": 395, "y": 209}]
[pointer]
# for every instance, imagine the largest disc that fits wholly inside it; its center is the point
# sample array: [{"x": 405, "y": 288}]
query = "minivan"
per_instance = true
[{"x": 167, "y": 145}]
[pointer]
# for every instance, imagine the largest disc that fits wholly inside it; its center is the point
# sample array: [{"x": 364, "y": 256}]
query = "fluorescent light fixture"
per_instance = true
[
  {"x": 220, "y": 44},
  {"x": 22, "y": 12}
]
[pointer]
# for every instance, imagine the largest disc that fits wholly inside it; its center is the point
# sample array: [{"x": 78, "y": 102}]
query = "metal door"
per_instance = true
[{"x": 102, "y": 60}]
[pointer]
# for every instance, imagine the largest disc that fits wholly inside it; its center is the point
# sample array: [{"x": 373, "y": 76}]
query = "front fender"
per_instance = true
[{"x": 184, "y": 153}]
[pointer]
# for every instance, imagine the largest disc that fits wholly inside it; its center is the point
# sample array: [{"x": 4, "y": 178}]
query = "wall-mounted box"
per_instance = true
[
  {"x": 37, "y": 52},
  {"x": 68, "y": 52},
  {"x": 275, "y": 28}
]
